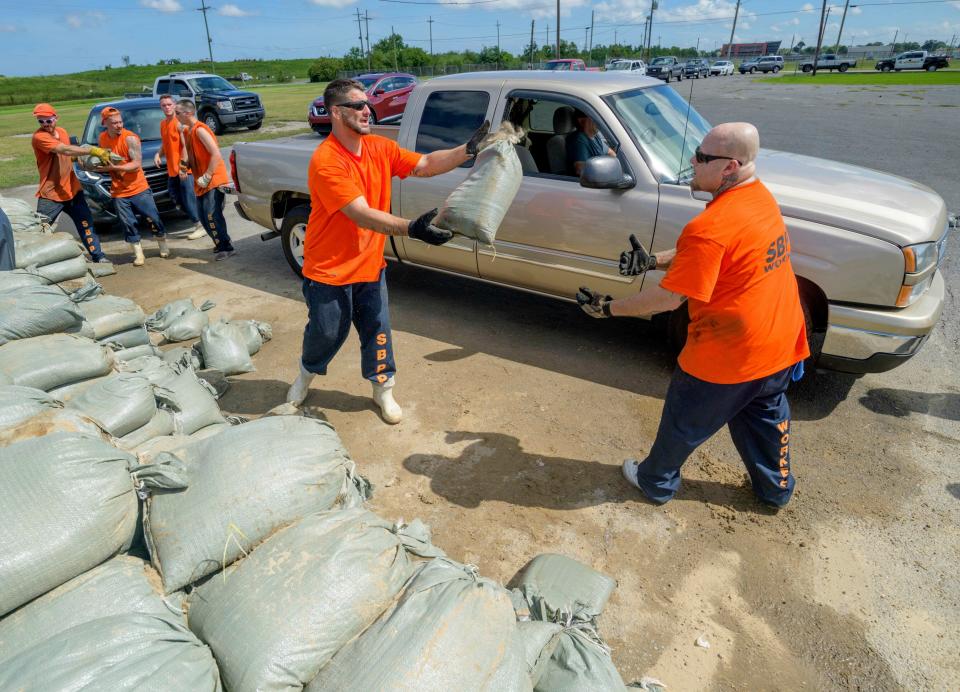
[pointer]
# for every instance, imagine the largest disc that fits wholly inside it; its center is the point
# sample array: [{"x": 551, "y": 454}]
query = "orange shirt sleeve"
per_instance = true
[
  {"x": 402, "y": 161},
  {"x": 337, "y": 186},
  {"x": 696, "y": 266},
  {"x": 45, "y": 142}
]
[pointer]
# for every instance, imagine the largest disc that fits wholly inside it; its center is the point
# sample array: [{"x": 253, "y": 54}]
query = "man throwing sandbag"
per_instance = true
[{"x": 343, "y": 267}]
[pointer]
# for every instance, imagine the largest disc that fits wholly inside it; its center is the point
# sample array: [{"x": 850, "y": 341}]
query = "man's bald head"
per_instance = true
[{"x": 739, "y": 140}]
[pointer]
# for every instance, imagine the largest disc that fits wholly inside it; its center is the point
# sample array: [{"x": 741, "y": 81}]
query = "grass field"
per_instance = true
[
  {"x": 284, "y": 103},
  {"x": 938, "y": 78}
]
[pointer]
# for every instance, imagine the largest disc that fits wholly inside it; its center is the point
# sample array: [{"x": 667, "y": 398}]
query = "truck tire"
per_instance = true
[
  {"x": 776, "y": 69},
  {"x": 753, "y": 70},
  {"x": 211, "y": 120},
  {"x": 293, "y": 233},
  {"x": 373, "y": 117},
  {"x": 667, "y": 80},
  {"x": 931, "y": 68},
  {"x": 885, "y": 68},
  {"x": 844, "y": 67},
  {"x": 807, "y": 68}
]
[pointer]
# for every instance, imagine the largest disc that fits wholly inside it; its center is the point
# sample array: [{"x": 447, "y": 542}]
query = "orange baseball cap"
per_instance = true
[
  {"x": 107, "y": 112},
  {"x": 44, "y": 110}
]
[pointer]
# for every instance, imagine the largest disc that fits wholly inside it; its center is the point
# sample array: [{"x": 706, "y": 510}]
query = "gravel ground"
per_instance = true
[{"x": 519, "y": 411}]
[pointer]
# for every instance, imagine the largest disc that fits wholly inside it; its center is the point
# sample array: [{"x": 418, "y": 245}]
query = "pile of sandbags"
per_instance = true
[
  {"x": 180, "y": 320},
  {"x": 23, "y": 217}
]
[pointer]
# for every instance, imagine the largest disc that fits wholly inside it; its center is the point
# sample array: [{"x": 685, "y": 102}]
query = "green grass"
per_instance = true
[
  {"x": 938, "y": 78},
  {"x": 104, "y": 84},
  {"x": 285, "y": 103}
]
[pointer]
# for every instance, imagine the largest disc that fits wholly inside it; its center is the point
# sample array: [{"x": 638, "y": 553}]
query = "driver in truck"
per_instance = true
[
  {"x": 344, "y": 277},
  {"x": 747, "y": 337}
]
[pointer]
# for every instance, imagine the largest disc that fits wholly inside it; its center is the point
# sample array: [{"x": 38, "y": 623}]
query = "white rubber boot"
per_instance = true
[
  {"x": 198, "y": 232},
  {"x": 299, "y": 389},
  {"x": 383, "y": 397},
  {"x": 164, "y": 250},
  {"x": 138, "y": 258}
]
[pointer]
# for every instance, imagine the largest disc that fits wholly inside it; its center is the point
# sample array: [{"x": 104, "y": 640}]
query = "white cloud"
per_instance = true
[
  {"x": 855, "y": 10},
  {"x": 807, "y": 7},
  {"x": 74, "y": 21},
  {"x": 541, "y": 10},
  {"x": 163, "y": 5},
  {"x": 7, "y": 28},
  {"x": 794, "y": 22},
  {"x": 231, "y": 10},
  {"x": 94, "y": 19},
  {"x": 332, "y": 3}
]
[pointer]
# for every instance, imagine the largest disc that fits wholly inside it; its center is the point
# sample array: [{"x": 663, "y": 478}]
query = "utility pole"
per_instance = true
[
  {"x": 614, "y": 37},
  {"x": 498, "y": 44},
  {"x": 653, "y": 8},
  {"x": 366, "y": 18},
  {"x": 586, "y": 37},
  {"x": 558, "y": 29},
  {"x": 546, "y": 37},
  {"x": 590, "y": 49},
  {"x": 430, "y": 22},
  {"x": 531, "y": 44},
  {"x": 643, "y": 41},
  {"x": 893, "y": 46},
  {"x": 736, "y": 14},
  {"x": 359, "y": 30},
  {"x": 793, "y": 42},
  {"x": 393, "y": 40},
  {"x": 203, "y": 8},
  {"x": 836, "y": 48},
  {"x": 823, "y": 24}
]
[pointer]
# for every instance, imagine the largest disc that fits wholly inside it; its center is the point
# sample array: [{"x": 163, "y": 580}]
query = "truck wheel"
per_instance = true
[
  {"x": 211, "y": 120},
  {"x": 776, "y": 69},
  {"x": 373, "y": 117},
  {"x": 293, "y": 234},
  {"x": 885, "y": 68},
  {"x": 807, "y": 68},
  {"x": 931, "y": 68},
  {"x": 667, "y": 80},
  {"x": 753, "y": 70},
  {"x": 896, "y": 69},
  {"x": 255, "y": 127},
  {"x": 843, "y": 68}
]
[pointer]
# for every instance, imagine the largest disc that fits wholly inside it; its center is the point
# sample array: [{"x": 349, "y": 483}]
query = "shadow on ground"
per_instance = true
[{"x": 902, "y": 402}]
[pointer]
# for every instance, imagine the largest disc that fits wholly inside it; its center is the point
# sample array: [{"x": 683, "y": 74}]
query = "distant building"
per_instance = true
[
  {"x": 869, "y": 52},
  {"x": 750, "y": 50}
]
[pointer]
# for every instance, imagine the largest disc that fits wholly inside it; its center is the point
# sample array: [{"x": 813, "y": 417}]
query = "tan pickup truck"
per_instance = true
[{"x": 866, "y": 245}]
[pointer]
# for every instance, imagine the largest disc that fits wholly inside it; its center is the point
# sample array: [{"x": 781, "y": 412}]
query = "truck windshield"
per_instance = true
[
  {"x": 212, "y": 83},
  {"x": 663, "y": 126},
  {"x": 620, "y": 66},
  {"x": 660, "y": 61},
  {"x": 558, "y": 65},
  {"x": 143, "y": 122}
]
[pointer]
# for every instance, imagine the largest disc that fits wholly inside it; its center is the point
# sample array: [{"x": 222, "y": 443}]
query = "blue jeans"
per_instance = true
[
  {"x": 211, "y": 217},
  {"x": 331, "y": 310},
  {"x": 757, "y": 415},
  {"x": 181, "y": 193},
  {"x": 79, "y": 213},
  {"x": 139, "y": 204}
]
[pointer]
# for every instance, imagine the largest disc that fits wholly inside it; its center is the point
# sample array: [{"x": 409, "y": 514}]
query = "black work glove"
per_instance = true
[
  {"x": 474, "y": 142},
  {"x": 636, "y": 261},
  {"x": 593, "y": 303},
  {"x": 421, "y": 229}
]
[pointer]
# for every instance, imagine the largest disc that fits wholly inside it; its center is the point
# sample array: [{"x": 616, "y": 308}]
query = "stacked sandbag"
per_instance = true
[
  {"x": 563, "y": 599},
  {"x": 54, "y": 256},
  {"x": 54, "y": 360},
  {"x": 326, "y": 578},
  {"x": 255, "y": 333},
  {"x": 188, "y": 324},
  {"x": 18, "y": 278},
  {"x": 242, "y": 484},
  {"x": 110, "y": 315},
  {"x": 36, "y": 311},
  {"x": 121, "y": 403},
  {"x": 18, "y": 404},
  {"x": 450, "y": 630},
  {"x": 68, "y": 504},
  {"x": 173, "y": 312},
  {"x": 192, "y": 400},
  {"x": 224, "y": 347},
  {"x": 50, "y": 421},
  {"x": 23, "y": 217},
  {"x": 106, "y": 629}
]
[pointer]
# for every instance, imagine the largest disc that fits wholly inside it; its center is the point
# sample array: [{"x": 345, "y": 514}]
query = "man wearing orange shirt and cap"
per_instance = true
[
  {"x": 129, "y": 189},
  {"x": 747, "y": 335},
  {"x": 59, "y": 189},
  {"x": 179, "y": 179}
]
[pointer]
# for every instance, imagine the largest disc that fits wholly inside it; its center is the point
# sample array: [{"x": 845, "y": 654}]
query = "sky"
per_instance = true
[{"x": 58, "y": 36}]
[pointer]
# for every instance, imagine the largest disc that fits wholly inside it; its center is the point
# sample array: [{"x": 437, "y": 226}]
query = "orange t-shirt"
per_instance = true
[
  {"x": 733, "y": 265},
  {"x": 336, "y": 250},
  {"x": 124, "y": 184},
  {"x": 170, "y": 142},
  {"x": 57, "y": 179},
  {"x": 200, "y": 158}
]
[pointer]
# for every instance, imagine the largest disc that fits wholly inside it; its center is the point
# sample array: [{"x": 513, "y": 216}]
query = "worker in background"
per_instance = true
[
  {"x": 60, "y": 189},
  {"x": 179, "y": 180},
  {"x": 344, "y": 277},
  {"x": 584, "y": 143},
  {"x": 747, "y": 336},
  {"x": 210, "y": 173},
  {"x": 128, "y": 187}
]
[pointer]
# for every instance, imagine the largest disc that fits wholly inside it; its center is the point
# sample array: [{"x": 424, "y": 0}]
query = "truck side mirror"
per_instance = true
[
  {"x": 74, "y": 141},
  {"x": 379, "y": 92},
  {"x": 605, "y": 173}
]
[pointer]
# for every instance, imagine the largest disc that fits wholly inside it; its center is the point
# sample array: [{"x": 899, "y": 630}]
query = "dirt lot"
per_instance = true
[{"x": 519, "y": 411}]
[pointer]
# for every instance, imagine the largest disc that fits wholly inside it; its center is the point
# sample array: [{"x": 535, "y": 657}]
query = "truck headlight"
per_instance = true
[
  {"x": 920, "y": 265},
  {"x": 225, "y": 105},
  {"x": 87, "y": 176}
]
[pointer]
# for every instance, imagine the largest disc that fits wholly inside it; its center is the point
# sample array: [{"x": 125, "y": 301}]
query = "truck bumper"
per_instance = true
[
  {"x": 241, "y": 118},
  {"x": 861, "y": 340}
]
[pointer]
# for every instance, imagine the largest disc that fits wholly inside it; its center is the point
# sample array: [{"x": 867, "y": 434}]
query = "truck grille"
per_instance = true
[
  {"x": 246, "y": 102},
  {"x": 157, "y": 180}
]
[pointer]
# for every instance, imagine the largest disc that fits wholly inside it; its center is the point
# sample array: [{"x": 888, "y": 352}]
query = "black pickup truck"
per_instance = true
[
  {"x": 219, "y": 104},
  {"x": 913, "y": 60}
]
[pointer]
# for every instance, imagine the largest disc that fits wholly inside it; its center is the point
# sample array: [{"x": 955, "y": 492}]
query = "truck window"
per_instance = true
[
  {"x": 180, "y": 87},
  {"x": 450, "y": 118},
  {"x": 163, "y": 86}
]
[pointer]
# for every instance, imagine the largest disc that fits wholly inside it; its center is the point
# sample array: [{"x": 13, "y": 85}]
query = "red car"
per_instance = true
[{"x": 387, "y": 92}]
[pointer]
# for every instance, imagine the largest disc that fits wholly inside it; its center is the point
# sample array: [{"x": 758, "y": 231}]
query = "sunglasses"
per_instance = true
[
  {"x": 354, "y": 105},
  {"x": 46, "y": 121},
  {"x": 707, "y": 158}
]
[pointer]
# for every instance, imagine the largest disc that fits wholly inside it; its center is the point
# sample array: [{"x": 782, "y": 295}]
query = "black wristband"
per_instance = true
[{"x": 605, "y": 308}]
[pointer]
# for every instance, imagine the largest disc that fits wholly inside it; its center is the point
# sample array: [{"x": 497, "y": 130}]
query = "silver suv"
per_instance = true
[{"x": 770, "y": 63}]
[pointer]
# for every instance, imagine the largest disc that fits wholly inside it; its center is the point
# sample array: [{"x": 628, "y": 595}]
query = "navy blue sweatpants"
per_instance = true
[
  {"x": 758, "y": 416},
  {"x": 331, "y": 310},
  {"x": 79, "y": 212}
]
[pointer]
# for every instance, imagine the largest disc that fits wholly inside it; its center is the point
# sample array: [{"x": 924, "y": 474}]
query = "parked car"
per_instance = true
[
  {"x": 865, "y": 245},
  {"x": 770, "y": 63},
  {"x": 721, "y": 68},
  {"x": 696, "y": 67},
  {"x": 569, "y": 65},
  {"x": 749, "y": 66},
  {"x": 829, "y": 61},
  {"x": 913, "y": 60},
  {"x": 665, "y": 67},
  {"x": 637, "y": 67},
  {"x": 387, "y": 92},
  {"x": 142, "y": 117},
  {"x": 219, "y": 104}
]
